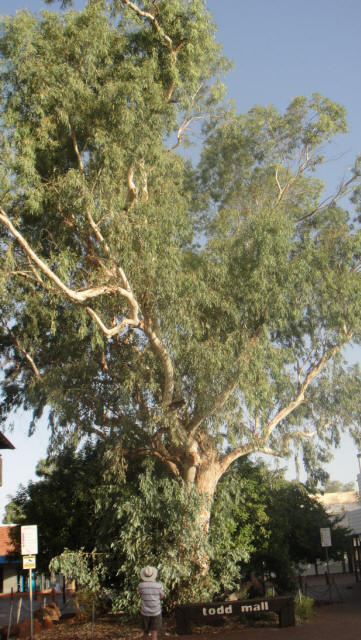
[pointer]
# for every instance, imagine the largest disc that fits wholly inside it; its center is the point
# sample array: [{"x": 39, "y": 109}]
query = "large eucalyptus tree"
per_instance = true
[{"x": 195, "y": 316}]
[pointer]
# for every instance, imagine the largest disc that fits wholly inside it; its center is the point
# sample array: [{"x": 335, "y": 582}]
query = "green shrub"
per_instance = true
[{"x": 304, "y": 608}]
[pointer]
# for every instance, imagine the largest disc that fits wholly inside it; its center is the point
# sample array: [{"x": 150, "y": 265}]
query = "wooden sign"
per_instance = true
[{"x": 201, "y": 613}]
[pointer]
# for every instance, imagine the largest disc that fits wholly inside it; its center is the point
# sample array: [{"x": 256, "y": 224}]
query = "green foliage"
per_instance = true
[
  {"x": 87, "y": 572},
  {"x": 332, "y": 486},
  {"x": 188, "y": 315},
  {"x": 80, "y": 567},
  {"x": 62, "y": 502},
  {"x": 99, "y": 528},
  {"x": 280, "y": 519},
  {"x": 153, "y": 520},
  {"x": 304, "y": 609},
  {"x": 114, "y": 523},
  {"x": 246, "y": 324},
  {"x": 270, "y": 296},
  {"x": 239, "y": 521}
]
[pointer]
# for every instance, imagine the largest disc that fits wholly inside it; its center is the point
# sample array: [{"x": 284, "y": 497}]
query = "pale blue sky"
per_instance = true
[{"x": 281, "y": 48}]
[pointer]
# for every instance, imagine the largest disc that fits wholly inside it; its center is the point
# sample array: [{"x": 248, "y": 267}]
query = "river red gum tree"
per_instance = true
[{"x": 112, "y": 316}]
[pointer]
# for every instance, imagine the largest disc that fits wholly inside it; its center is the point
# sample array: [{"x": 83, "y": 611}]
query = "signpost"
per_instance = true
[
  {"x": 326, "y": 542},
  {"x": 29, "y": 549}
]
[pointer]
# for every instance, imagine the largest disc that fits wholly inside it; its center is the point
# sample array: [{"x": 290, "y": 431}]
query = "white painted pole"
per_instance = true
[{"x": 31, "y": 604}]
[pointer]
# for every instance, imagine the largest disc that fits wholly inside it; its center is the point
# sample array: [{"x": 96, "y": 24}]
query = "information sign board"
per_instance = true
[
  {"x": 29, "y": 540},
  {"x": 325, "y": 537},
  {"x": 29, "y": 562}
]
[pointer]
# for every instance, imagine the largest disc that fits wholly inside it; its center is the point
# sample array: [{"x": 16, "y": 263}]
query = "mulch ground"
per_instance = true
[{"x": 331, "y": 622}]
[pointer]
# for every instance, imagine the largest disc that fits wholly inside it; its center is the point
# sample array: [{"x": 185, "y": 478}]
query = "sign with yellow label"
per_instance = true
[{"x": 29, "y": 562}]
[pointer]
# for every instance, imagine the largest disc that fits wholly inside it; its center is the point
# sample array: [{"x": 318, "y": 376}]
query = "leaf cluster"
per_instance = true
[{"x": 284, "y": 519}]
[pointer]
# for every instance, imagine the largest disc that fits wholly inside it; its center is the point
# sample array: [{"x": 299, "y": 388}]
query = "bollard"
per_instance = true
[{"x": 18, "y": 612}]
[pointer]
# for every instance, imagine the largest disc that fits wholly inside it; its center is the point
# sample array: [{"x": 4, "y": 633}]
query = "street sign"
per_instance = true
[
  {"x": 29, "y": 540},
  {"x": 325, "y": 537},
  {"x": 29, "y": 562},
  {"x": 29, "y": 549}
]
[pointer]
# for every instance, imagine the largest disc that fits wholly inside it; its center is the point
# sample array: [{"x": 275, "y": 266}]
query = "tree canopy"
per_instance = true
[
  {"x": 91, "y": 526},
  {"x": 281, "y": 520},
  {"x": 332, "y": 486},
  {"x": 190, "y": 314},
  {"x": 62, "y": 502}
]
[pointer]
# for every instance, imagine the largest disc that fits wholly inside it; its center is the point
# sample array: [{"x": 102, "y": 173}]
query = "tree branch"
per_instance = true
[
  {"x": 259, "y": 446},
  {"x": 298, "y": 434},
  {"x": 173, "y": 50},
  {"x": 282, "y": 190},
  {"x": 91, "y": 430},
  {"x": 76, "y": 296},
  {"x": 82, "y": 295},
  {"x": 132, "y": 189},
  {"x": 181, "y": 130},
  {"x": 147, "y": 453},
  {"x": 312, "y": 373},
  {"x": 153, "y": 19},
  {"x": 222, "y": 398},
  {"x": 342, "y": 190},
  {"x": 109, "y": 333},
  {"x": 218, "y": 403},
  {"x": 226, "y": 460},
  {"x": 160, "y": 350},
  {"x": 24, "y": 352},
  {"x": 76, "y": 148}
]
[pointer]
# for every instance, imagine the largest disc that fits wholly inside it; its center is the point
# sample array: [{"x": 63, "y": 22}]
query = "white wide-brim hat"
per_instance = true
[{"x": 148, "y": 573}]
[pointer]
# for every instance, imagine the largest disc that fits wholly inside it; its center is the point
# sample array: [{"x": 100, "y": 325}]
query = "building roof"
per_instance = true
[
  {"x": 5, "y": 443},
  {"x": 339, "y": 498},
  {"x": 6, "y": 542}
]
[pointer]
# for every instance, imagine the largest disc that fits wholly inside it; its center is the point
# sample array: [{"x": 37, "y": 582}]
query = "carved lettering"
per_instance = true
[
  {"x": 221, "y": 610},
  {"x": 258, "y": 606}
]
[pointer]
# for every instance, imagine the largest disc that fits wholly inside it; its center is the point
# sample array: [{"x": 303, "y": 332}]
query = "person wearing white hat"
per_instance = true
[{"x": 151, "y": 593}]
